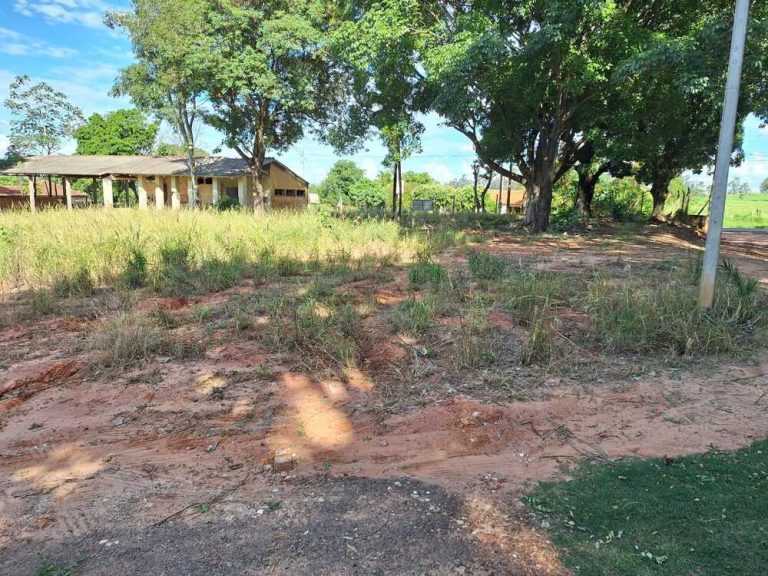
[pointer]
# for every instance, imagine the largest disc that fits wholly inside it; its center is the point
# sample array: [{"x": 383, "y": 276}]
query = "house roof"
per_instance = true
[
  {"x": 42, "y": 189},
  {"x": 99, "y": 166}
]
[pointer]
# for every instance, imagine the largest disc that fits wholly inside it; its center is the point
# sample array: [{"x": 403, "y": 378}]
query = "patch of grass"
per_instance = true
[
  {"x": 56, "y": 569},
  {"x": 80, "y": 283},
  {"x": 485, "y": 266},
  {"x": 135, "y": 273},
  {"x": 127, "y": 339},
  {"x": 41, "y": 303},
  {"x": 472, "y": 348},
  {"x": 644, "y": 315},
  {"x": 526, "y": 292},
  {"x": 703, "y": 514},
  {"x": 425, "y": 273},
  {"x": 413, "y": 316},
  {"x": 543, "y": 346}
]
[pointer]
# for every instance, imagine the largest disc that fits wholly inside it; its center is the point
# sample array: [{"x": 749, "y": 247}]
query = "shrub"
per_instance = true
[
  {"x": 528, "y": 291},
  {"x": 227, "y": 203},
  {"x": 485, "y": 266},
  {"x": 175, "y": 267},
  {"x": 127, "y": 339}
]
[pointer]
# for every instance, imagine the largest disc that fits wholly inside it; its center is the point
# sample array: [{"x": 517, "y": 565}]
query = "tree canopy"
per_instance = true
[{"x": 122, "y": 132}]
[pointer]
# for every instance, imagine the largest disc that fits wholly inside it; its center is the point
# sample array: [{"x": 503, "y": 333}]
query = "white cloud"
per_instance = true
[
  {"x": 21, "y": 45},
  {"x": 439, "y": 171},
  {"x": 88, "y": 13}
]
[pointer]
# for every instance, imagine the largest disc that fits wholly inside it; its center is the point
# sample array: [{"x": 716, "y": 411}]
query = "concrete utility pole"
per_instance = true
[{"x": 724, "y": 153}]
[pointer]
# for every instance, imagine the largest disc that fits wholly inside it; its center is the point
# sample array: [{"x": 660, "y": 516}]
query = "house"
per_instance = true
[
  {"x": 17, "y": 197},
  {"x": 510, "y": 200},
  {"x": 164, "y": 181}
]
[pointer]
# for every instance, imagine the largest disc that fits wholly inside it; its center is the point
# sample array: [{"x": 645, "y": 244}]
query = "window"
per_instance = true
[
  {"x": 279, "y": 192},
  {"x": 290, "y": 192},
  {"x": 300, "y": 193},
  {"x": 232, "y": 192},
  {"x": 150, "y": 178},
  {"x": 205, "y": 180}
]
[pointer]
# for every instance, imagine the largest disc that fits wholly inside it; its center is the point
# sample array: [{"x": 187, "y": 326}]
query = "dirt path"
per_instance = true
[{"x": 91, "y": 461}]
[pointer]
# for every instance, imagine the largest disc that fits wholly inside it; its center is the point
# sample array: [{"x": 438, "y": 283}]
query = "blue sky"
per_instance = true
[{"x": 64, "y": 43}]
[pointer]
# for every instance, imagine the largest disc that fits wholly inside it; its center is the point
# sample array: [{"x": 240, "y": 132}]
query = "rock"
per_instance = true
[
  {"x": 383, "y": 443},
  {"x": 284, "y": 460}
]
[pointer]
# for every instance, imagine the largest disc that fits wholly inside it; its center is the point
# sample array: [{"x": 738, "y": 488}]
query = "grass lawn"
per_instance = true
[
  {"x": 747, "y": 211},
  {"x": 699, "y": 515}
]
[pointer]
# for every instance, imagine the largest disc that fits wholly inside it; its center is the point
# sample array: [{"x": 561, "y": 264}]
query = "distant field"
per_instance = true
[{"x": 748, "y": 211}]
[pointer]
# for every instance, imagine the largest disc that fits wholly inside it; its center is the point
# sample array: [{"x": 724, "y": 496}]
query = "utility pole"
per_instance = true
[{"x": 724, "y": 153}]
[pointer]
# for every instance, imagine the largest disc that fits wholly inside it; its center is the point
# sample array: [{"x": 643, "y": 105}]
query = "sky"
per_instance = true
[{"x": 65, "y": 43}]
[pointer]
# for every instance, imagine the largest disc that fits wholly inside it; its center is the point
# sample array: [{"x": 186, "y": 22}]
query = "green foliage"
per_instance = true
[
  {"x": 78, "y": 284},
  {"x": 135, "y": 273},
  {"x": 413, "y": 316},
  {"x": 41, "y": 118},
  {"x": 485, "y": 266},
  {"x": 179, "y": 150},
  {"x": 122, "y": 132},
  {"x": 425, "y": 273},
  {"x": 227, "y": 203},
  {"x": 700, "y": 514},
  {"x": 764, "y": 186},
  {"x": 346, "y": 182},
  {"x": 367, "y": 194}
]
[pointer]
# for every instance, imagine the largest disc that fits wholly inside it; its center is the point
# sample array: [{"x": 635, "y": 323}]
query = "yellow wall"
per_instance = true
[{"x": 281, "y": 179}]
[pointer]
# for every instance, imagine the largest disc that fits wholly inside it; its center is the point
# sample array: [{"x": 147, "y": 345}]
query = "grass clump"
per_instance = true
[
  {"x": 322, "y": 329},
  {"x": 485, "y": 266},
  {"x": 135, "y": 273},
  {"x": 128, "y": 339},
  {"x": 641, "y": 316},
  {"x": 702, "y": 514},
  {"x": 425, "y": 273},
  {"x": 527, "y": 292},
  {"x": 80, "y": 283},
  {"x": 413, "y": 316}
]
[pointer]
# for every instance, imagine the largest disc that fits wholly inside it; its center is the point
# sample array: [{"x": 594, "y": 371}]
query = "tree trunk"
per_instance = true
[
  {"x": 394, "y": 190},
  {"x": 586, "y": 193},
  {"x": 485, "y": 192},
  {"x": 258, "y": 191},
  {"x": 659, "y": 191},
  {"x": 539, "y": 186},
  {"x": 400, "y": 189},
  {"x": 192, "y": 189}
]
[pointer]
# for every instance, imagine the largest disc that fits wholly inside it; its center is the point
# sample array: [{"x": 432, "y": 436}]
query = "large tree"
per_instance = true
[
  {"x": 42, "y": 118},
  {"x": 379, "y": 47},
  {"x": 269, "y": 76},
  {"x": 167, "y": 81},
  {"x": 122, "y": 132},
  {"x": 523, "y": 79}
]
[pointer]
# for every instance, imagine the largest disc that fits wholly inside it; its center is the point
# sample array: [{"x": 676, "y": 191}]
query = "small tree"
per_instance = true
[
  {"x": 344, "y": 174},
  {"x": 764, "y": 187},
  {"x": 42, "y": 119},
  {"x": 122, "y": 133}
]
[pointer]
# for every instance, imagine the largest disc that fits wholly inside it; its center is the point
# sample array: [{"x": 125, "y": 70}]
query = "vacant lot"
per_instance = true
[
  {"x": 741, "y": 211},
  {"x": 419, "y": 381}
]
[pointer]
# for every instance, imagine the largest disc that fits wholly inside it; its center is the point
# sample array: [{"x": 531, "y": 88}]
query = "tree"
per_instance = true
[
  {"x": 167, "y": 81},
  {"x": 378, "y": 47},
  {"x": 764, "y": 187},
  {"x": 268, "y": 75},
  {"x": 122, "y": 133},
  {"x": 42, "y": 118},
  {"x": 344, "y": 174},
  {"x": 179, "y": 150}
]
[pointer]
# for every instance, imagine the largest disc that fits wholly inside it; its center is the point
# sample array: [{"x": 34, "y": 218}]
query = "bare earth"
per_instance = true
[{"x": 93, "y": 465}]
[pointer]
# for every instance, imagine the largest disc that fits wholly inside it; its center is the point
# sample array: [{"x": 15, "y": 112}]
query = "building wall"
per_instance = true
[{"x": 284, "y": 189}]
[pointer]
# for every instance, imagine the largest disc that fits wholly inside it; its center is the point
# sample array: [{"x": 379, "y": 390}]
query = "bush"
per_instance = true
[
  {"x": 78, "y": 284},
  {"x": 227, "y": 203},
  {"x": 127, "y": 339},
  {"x": 413, "y": 316}
]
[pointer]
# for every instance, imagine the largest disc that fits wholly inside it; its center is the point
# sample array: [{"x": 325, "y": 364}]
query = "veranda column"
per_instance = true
[
  {"x": 215, "y": 190},
  {"x": 68, "y": 192},
  {"x": 159, "y": 193},
  {"x": 32, "y": 206},
  {"x": 175, "y": 197},
  {"x": 106, "y": 185},
  {"x": 242, "y": 184},
  {"x": 141, "y": 190}
]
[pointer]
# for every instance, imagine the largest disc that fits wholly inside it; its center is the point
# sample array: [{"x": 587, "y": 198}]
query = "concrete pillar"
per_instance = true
[
  {"x": 68, "y": 192},
  {"x": 141, "y": 189},
  {"x": 175, "y": 197},
  {"x": 106, "y": 185},
  {"x": 242, "y": 188},
  {"x": 159, "y": 193},
  {"x": 32, "y": 206},
  {"x": 215, "y": 192}
]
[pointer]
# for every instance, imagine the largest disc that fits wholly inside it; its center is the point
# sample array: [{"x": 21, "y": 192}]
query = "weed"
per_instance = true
[
  {"x": 413, "y": 316},
  {"x": 80, "y": 283},
  {"x": 127, "y": 339},
  {"x": 542, "y": 345},
  {"x": 56, "y": 569},
  {"x": 135, "y": 273},
  {"x": 529, "y": 291},
  {"x": 484, "y": 266},
  {"x": 425, "y": 273},
  {"x": 41, "y": 303}
]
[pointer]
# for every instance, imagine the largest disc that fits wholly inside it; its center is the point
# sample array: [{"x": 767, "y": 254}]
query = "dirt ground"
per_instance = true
[{"x": 168, "y": 469}]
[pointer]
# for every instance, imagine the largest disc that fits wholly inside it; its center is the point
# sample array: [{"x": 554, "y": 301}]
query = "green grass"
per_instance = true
[
  {"x": 703, "y": 515},
  {"x": 747, "y": 211},
  {"x": 190, "y": 250}
]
